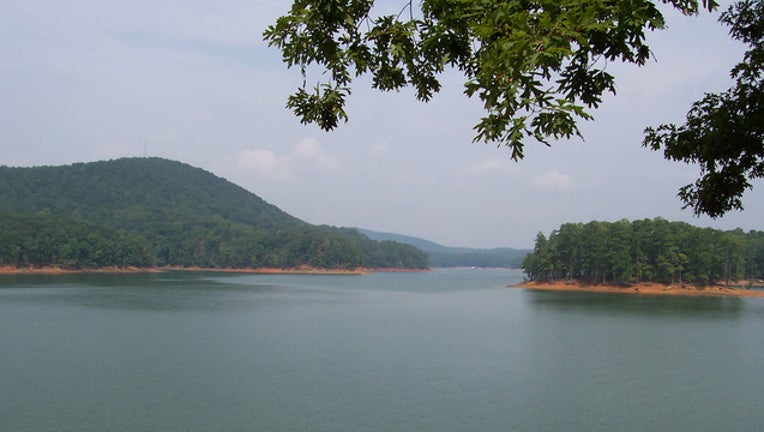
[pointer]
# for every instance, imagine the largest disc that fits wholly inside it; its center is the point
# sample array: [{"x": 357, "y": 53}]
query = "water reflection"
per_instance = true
[
  {"x": 8, "y": 281},
  {"x": 172, "y": 291},
  {"x": 593, "y": 303}
]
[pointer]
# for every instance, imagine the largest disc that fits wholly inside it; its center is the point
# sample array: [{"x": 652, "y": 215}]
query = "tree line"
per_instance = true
[
  {"x": 646, "y": 251},
  {"x": 509, "y": 258},
  {"x": 43, "y": 239}
]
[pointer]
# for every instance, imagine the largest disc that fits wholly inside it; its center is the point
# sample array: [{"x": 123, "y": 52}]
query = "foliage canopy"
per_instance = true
[
  {"x": 724, "y": 132},
  {"x": 538, "y": 66}
]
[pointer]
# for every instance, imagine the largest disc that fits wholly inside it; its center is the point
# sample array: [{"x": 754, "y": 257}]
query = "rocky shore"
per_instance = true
[{"x": 647, "y": 288}]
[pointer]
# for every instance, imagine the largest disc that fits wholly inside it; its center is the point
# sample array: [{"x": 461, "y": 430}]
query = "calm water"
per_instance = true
[{"x": 449, "y": 350}]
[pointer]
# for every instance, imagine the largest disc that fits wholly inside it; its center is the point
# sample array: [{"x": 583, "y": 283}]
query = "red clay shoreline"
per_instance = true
[
  {"x": 646, "y": 288},
  {"x": 54, "y": 270}
]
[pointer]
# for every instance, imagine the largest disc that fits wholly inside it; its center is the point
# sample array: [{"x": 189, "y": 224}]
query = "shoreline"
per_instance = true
[
  {"x": 645, "y": 288},
  {"x": 302, "y": 270}
]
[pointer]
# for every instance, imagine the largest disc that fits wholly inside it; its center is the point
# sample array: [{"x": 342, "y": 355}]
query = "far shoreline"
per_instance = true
[
  {"x": 645, "y": 288},
  {"x": 301, "y": 270}
]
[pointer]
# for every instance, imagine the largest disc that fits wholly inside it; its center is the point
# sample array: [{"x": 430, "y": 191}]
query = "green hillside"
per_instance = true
[{"x": 170, "y": 214}]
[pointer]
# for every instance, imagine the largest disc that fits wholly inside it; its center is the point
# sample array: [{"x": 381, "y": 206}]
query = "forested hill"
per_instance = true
[
  {"x": 152, "y": 211},
  {"x": 646, "y": 250},
  {"x": 131, "y": 193}
]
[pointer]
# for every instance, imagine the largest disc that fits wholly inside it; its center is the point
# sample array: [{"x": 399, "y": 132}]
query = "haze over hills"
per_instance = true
[
  {"x": 448, "y": 256},
  {"x": 170, "y": 214}
]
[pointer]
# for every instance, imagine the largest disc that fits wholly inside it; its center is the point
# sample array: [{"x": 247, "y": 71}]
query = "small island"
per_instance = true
[{"x": 650, "y": 256}]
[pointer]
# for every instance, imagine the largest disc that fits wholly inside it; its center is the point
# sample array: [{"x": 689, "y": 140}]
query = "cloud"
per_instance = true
[
  {"x": 380, "y": 148},
  {"x": 552, "y": 180},
  {"x": 492, "y": 166},
  {"x": 265, "y": 163},
  {"x": 310, "y": 150},
  {"x": 306, "y": 154}
]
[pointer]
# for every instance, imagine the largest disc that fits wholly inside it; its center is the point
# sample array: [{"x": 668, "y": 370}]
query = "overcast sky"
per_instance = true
[{"x": 87, "y": 80}]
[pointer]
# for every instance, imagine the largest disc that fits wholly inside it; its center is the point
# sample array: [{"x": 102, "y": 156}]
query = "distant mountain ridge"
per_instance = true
[
  {"x": 171, "y": 214},
  {"x": 448, "y": 256}
]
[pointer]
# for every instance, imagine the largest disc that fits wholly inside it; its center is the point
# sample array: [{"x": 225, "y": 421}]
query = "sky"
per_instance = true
[{"x": 192, "y": 81}]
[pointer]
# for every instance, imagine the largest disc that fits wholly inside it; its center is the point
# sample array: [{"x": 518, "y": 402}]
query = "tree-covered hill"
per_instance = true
[
  {"x": 130, "y": 193},
  {"x": 646, "y": 250},
  {"x": 177, "y": 215},
  {"x": 448, "y": 256}
]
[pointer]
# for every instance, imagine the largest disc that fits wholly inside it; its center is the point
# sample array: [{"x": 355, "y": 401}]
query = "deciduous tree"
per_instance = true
[
  {"x": 724, "y": 132},
  {"x": 538, "y": 66}
]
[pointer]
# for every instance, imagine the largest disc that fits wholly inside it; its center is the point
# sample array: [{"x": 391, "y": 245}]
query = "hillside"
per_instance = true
[
  {"x": 171, "y": 214},
  {"x": 447, "y": 256}
]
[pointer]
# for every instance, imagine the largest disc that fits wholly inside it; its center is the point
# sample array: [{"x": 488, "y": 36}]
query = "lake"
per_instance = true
[{"x": 447, "y": 350}]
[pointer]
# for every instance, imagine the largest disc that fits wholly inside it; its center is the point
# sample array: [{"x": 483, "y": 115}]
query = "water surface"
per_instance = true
[{"x": 448, "y": 350}]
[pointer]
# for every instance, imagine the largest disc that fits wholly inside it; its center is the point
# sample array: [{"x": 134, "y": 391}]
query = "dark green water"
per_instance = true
[{"x": 449, "y": 350}]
